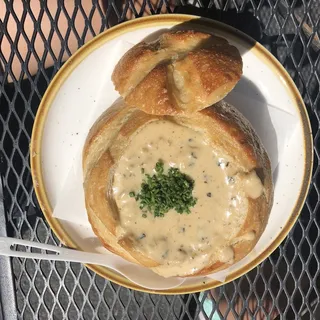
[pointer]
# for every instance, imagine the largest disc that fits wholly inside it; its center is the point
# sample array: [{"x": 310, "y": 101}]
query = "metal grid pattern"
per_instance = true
[{"x": 287, "y": 283}]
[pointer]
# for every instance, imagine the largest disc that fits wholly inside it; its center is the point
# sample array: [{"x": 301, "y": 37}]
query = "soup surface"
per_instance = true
[{"x": 183, "y": 243}]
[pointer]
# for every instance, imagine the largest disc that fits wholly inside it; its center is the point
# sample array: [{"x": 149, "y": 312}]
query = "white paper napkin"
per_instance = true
[{"x": 266, "y": 119}]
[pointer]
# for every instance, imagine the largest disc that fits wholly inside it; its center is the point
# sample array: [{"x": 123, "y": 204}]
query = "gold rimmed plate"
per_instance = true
[{"x": 61, "y": 123}]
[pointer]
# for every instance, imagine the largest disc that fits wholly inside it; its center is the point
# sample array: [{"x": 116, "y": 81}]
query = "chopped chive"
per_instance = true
[{"x": 162, "y": 192}]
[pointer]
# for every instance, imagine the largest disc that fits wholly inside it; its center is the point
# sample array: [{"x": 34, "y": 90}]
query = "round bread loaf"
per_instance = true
[
  {"x": 216, "y": 147},
  {"x": 181, "y": 72}
]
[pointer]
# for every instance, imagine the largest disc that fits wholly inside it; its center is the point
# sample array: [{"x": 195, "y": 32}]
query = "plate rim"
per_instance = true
[{"x": 110, "y": 34}]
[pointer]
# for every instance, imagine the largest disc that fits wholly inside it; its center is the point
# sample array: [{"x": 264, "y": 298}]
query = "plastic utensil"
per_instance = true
[{"x": 141, "y": 276}]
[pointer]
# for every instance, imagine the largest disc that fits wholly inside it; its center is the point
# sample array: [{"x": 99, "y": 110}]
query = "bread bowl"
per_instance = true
[{"x": 205, "y": 138}]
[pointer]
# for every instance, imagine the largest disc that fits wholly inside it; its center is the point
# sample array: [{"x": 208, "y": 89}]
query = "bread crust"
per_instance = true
[
  {"x": 228, "y": 132},
  {"x": 181, "y": 72},
  {"x": 181, "y": 77}
]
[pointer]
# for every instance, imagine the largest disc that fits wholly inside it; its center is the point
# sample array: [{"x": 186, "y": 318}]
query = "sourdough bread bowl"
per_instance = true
[{"x": 171, "y": 113}]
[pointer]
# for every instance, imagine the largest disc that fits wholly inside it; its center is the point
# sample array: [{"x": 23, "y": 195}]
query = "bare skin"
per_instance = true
[
  {"x": 238, "y": 307},
  {"x": 17, "y": 7},
  {"x": 58, "y": 50}
]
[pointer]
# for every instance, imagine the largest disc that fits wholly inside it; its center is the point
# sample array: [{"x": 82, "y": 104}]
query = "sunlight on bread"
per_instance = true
[{"x": 175, "y": 179}]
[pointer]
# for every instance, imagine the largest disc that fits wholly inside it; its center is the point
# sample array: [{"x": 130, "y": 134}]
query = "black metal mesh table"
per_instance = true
[{"x": 287, "y": 282}]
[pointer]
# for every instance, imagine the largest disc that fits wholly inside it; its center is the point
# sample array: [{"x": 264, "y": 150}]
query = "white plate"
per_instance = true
[{"x": 63, "y": 121}]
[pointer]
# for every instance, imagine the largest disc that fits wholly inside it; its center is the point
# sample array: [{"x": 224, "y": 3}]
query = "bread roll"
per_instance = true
[
  {"x": 181, "y": 72},
  {"x": 171, "y": 111},
  {"x": 217, "y": 147}
]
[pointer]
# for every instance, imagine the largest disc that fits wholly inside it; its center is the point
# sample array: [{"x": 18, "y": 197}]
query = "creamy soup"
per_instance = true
[{"x": 183, "y": 243}]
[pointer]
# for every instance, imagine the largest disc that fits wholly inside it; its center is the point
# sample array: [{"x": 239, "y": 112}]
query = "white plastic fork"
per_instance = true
[{"x": 141, "y": 276}]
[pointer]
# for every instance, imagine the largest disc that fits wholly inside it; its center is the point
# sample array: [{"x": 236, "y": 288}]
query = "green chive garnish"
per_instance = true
[{"x": 162, "y": 192}]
